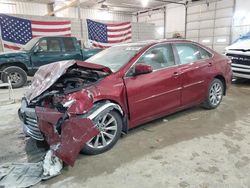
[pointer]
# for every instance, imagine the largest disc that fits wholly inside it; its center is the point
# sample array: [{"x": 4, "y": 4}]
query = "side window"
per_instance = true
[
  {"x": 188, "y": 53},
  {"x": 54, "y": 45},
  {"x": 204, "y": 54},
  {"x": 68, "y": 44},
  {"x": 42, "y": 46},
  {"x": 158, "y": 57}
]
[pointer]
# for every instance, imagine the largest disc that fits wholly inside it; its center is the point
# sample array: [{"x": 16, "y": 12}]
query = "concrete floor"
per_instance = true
[{"x": 192, "y": 148}]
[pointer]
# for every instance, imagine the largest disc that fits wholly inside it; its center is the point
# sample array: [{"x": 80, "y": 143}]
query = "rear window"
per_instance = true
[
  {"x": 204, "y": 54},
  {"x": 187, "y": 52},
  {"x": 68, "y": 44}
]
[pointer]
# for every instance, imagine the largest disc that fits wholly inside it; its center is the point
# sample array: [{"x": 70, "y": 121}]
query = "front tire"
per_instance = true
[
  {"x": 215, "y": 94},
  {"x": 18, "y": 76},
  {"x": 110, "y": 126}
]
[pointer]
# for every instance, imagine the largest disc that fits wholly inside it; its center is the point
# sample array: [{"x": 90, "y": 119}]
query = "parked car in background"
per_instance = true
[
  {"x": 38, "y": 52},
  {"x": 239, "y": 53},
  {"x": 76, "y": 105}
]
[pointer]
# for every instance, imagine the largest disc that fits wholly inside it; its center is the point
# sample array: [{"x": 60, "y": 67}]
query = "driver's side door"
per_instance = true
[
  {"x": 47, "y": 51},
  {"x": 154, "y": 94}
]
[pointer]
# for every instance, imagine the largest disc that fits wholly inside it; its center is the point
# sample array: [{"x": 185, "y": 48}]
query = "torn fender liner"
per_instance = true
[
  {"x": 75, "y": 132},
  {"x": 21, "y": 174},
  {"x": 29, "y": 174}
]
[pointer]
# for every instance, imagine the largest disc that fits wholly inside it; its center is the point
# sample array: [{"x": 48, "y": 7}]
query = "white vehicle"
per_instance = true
[{"x": 239, "y": 53}]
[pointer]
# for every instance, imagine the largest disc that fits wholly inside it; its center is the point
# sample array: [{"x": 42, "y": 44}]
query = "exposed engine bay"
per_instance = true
[{"x": 75, "y": 79}]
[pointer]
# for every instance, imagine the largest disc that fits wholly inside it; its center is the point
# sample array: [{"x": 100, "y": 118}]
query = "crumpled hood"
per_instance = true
[
  {"x": 12, "y": 54},
  {"x": 47, "y": 75}
]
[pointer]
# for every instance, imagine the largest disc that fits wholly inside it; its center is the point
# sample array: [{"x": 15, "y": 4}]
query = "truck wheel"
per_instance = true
[{"x": 18, "y": 76}]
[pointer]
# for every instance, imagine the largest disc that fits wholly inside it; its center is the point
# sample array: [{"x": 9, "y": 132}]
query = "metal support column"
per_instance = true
[{"x": 79, "y": 18}]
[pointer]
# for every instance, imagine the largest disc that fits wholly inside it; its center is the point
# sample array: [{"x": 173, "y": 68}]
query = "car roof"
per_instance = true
[{"x": 152, "y": 42}]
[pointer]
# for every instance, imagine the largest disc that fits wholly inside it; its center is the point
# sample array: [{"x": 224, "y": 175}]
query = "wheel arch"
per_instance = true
[
  {"x": 15, "y": 64},
  {"x": 223, "y": 80},
  {"x": 106, "y": 105}
]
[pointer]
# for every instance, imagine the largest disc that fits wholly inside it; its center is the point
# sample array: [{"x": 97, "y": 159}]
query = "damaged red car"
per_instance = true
[{"x": 85, "y": 106}]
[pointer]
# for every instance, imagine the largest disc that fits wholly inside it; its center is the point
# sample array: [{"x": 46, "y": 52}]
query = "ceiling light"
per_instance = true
[
  {"x": 205, "y": 41},
  {"x": 221, "y": 40},
  {"x": 144, "y": 3},
  {"x": 160, "y": 30}
]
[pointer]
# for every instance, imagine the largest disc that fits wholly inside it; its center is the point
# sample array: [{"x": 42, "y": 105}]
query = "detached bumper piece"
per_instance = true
[{"x": 73, "y": 134}]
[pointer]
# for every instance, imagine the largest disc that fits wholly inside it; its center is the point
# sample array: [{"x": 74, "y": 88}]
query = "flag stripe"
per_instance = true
[
  {"x": 67, "y": 35},
  {"x": 119, "y": 35},
  {"x": 119, "y": 27},
  {"x": 50, "y": 33},
  {"x": 119, "y": 24},
  {"x": 117, "y": 30},
  {"x": 99, "y": 46},
  {"x": 51, "y": 26},
  {"x": 120, "y": 40},
  {"x": 50, "y": 22},
  {"x": 11, "y": 47},
  {"x": 109, "y": 44},
  {"x": 50, "y": 30},
  {"x": 106, "y": 35}
]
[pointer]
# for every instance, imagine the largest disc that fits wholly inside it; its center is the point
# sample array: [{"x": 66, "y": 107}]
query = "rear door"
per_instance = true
[
  {"x": 152, "y": 95},
  {"x": 194, "y": 69}
]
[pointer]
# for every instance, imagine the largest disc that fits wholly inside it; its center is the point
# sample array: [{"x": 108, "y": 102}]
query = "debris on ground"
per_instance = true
[
  {"x": 165, "y": 120},
  {"x": 21, "y": 175}
]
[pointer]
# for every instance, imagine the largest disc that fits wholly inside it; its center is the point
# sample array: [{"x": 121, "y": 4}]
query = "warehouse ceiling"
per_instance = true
[{"x": 116, "y": 5}]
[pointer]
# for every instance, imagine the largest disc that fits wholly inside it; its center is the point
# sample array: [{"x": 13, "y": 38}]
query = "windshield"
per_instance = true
[
  {"x": 115, "y": 57},
  {"x": 30, "y": 44}
]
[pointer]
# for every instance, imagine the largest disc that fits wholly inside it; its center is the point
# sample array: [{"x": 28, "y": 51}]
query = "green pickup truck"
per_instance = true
[{"x": 38, "y": 52}]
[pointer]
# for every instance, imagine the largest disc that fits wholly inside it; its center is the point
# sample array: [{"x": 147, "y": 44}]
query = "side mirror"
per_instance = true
[
  {"x": 142, "y": 69},
  {"x": 37, "y": 50}
]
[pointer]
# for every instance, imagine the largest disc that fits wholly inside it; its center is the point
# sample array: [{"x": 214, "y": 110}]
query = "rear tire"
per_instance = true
[
  {"x": 18, "y": 76},
  {"x": 110, "y": 126},
  {"x": 214, "y": 95}
]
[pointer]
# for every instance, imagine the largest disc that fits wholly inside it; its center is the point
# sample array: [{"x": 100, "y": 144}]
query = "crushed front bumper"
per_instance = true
[{"x": 65, "y": 141}]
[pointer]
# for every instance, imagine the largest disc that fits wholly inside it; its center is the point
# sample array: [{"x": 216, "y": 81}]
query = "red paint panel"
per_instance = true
[{"x": 75, "y": 132}]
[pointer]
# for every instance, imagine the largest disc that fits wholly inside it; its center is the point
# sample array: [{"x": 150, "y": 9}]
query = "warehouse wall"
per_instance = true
[
  {"x": 140, "y": 31},
  {"x": 174, "y": 20},
  {"x": 241, "y": 19},
  {"x": 26, "y": 8},
  {"x": 211, "y": 25},
  {"x": 153, "y": 17}
]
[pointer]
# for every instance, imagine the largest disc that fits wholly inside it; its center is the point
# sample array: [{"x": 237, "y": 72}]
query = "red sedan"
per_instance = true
[{"x": 118, "y": 89}]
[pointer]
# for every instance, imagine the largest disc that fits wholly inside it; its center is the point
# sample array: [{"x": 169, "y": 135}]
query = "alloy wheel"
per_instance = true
[
  {"x": 215, "y": 94},
  {"x": 107, "y": 126}
]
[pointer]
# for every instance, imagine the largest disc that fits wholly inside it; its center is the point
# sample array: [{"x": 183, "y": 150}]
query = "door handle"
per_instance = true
[
  {"x": 210, "y": 64},
  {"x": 176, "y": 74}
]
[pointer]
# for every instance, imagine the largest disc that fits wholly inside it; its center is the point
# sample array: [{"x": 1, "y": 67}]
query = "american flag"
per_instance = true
[
  {"x": 105, "y": 35},
  {"x": 16, "y": 32}
]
